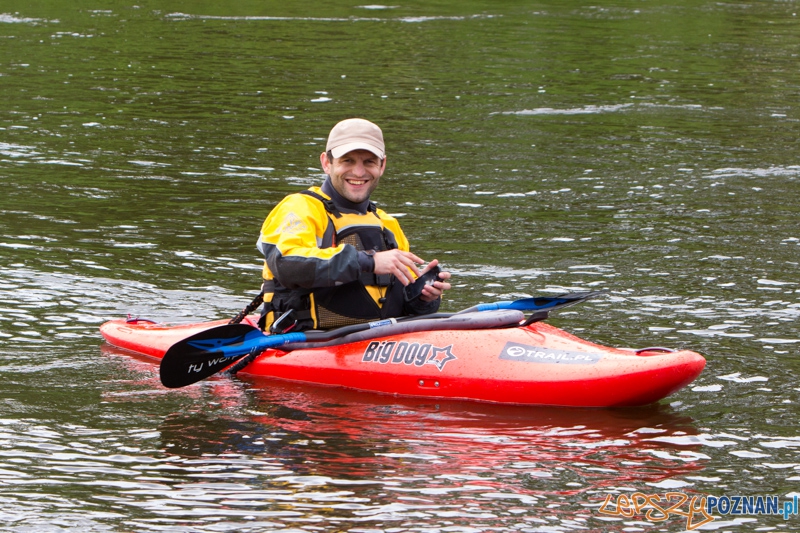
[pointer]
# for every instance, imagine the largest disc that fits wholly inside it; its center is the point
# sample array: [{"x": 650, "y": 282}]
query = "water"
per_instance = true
[{"x": 648, "y": 149}]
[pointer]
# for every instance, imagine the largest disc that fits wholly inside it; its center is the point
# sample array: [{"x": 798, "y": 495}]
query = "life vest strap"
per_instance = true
[{"x": 330, "y": 207}]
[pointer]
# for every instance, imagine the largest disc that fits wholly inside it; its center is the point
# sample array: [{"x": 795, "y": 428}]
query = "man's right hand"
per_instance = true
[{"x": 397, "y": 263}]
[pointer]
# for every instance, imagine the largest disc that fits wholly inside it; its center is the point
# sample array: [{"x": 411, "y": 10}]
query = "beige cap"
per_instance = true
[{"x": 355, "y": 134}]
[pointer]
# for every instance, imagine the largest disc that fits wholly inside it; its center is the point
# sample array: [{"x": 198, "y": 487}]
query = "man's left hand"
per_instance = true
[{"x": 432, "y": 292}]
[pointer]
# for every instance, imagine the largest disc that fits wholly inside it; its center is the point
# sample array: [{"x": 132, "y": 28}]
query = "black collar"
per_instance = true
[{"x": 341, "y": 202}]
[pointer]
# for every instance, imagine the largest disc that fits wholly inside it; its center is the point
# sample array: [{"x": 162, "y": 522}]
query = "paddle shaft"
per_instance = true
[{"x": 206, "y": 353}]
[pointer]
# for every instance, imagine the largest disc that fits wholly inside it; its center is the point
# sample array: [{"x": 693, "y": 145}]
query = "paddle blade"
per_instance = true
[
  {"x": 206, "y": 353},
  {"x": 542, "y": 303},
  {"x": 550, "y": 303}
]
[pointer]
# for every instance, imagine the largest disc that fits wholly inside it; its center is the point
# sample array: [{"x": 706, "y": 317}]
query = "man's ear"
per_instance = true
[{"x": 326, "y": 165}]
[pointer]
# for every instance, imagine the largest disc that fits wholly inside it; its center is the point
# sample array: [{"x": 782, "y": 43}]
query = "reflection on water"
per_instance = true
[{"x": 648, "y": 149}]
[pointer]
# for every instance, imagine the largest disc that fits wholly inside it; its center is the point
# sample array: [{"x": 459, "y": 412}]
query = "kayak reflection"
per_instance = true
[
  {"x": 359, "y": 433},
  {"x": 348, "y": 435}
]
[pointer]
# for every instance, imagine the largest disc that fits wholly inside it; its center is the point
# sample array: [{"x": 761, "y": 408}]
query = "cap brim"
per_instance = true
[{"x": 339, "y": 151}]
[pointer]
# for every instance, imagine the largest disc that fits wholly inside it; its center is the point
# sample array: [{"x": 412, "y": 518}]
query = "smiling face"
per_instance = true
[{"x": 354, "y": 175}]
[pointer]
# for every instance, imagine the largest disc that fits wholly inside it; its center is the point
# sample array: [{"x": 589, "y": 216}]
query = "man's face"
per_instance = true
[{"x": 354, "y": 175}]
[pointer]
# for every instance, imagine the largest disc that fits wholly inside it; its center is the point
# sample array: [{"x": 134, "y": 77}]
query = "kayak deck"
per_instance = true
[{"x": 538, "y": 364}]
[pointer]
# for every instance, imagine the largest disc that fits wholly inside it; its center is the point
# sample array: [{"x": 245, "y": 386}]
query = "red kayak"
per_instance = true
[{"x": 535, "y": 364}]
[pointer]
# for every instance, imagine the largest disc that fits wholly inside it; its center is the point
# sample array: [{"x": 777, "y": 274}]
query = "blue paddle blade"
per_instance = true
[
  {"x": 238, "y": 345},
  {"x": 210, "y": 351},
  {"x": 538, "y": 304}
]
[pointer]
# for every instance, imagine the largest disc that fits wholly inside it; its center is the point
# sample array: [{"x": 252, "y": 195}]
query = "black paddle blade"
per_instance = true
[
  {"x": 540, "y": 303},
  {"x": 555, "y": 303},
  {"x": 565, "y": 300},
  {"x": 206, "y": 353}
]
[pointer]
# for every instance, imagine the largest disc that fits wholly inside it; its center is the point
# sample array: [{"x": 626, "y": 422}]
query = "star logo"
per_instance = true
[{"x": 440, "y": 357}]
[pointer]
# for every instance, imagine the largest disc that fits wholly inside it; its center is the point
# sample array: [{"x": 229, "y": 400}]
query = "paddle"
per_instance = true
[{"x": 206, "y": 353}]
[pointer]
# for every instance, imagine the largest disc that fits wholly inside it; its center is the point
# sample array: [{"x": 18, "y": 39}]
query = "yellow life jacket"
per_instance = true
[{"x": 371, "y": 297}]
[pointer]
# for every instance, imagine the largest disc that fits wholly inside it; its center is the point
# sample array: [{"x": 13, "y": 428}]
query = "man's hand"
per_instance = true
[
  {"x": 397, "y": 263},
  {"x": 432, "y": 292}
]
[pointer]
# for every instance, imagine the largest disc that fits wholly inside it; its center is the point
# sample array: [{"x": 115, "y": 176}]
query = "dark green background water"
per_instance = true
[{"x": 646, "y": 148}]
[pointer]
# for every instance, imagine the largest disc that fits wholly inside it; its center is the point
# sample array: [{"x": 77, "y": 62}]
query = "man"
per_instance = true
[{"x": 334, "y": 258}]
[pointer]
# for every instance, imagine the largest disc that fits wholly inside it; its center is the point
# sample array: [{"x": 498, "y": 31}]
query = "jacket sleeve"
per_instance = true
[{"x": 290, "y": 241}]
